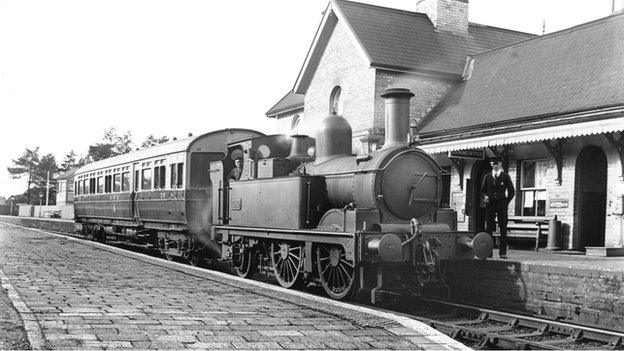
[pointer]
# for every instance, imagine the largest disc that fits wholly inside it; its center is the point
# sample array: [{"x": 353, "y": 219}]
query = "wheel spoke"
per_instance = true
[{"x": 336, "y": 272}]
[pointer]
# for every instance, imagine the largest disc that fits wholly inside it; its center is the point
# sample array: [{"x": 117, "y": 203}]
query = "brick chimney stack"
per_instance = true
[{"x": 446, "y": 15}]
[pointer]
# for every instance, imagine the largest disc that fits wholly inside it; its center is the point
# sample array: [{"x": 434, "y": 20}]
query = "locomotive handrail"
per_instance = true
[{"x": 280, "y": 230}]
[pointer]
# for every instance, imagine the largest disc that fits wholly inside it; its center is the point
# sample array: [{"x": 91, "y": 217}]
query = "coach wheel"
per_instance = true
[
  {"x": 335, "y": 271},
  {"x": 244, "y": 260},
  {"x": 287, "y": 261}
]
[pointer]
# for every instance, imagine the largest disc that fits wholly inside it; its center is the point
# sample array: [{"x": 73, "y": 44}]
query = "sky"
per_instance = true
[{"x": 69, "y": 70}]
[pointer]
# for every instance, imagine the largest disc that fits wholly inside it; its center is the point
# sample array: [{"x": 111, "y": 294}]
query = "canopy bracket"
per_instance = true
[
  {"x": 618, "y": 144},
  {"x": 459, "y": 163},
  {"x": 555, "y": 148}
]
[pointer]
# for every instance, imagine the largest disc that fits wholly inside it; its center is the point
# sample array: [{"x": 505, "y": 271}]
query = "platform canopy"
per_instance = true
[{"x": 532, "y": 135}]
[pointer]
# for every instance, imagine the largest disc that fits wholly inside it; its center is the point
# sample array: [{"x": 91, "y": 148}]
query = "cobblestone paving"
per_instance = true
[{"x": 85, "y": 297}]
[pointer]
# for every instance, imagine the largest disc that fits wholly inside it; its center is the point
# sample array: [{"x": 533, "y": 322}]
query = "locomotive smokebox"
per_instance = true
[
  {"x": 333, "y": 138},
  {"x": 397, "y": 116}
]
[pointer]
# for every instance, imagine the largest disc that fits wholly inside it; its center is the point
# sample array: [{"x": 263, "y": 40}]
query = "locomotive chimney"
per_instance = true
[
  {"x": 333, "y": 138},
  {"x": 397, "y": 116}
]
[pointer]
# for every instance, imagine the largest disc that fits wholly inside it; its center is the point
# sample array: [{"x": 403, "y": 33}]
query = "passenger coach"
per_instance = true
[{"x": 158, "y": 195}]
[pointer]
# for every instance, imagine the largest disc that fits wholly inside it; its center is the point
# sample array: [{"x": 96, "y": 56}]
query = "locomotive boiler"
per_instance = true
[{"x": 356, "y": 225}]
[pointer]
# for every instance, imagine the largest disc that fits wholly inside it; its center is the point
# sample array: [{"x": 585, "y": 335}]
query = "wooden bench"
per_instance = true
[{"x": 527, "y": 227}]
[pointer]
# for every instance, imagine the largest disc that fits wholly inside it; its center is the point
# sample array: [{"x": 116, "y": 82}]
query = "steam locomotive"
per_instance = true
[{"x": 364, "y": 225}]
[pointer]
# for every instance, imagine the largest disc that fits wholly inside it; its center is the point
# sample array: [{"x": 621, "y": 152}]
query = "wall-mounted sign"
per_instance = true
[
  {"x": 473, "y": 153},
  {"x": 559, "y": 199},
  {"x": 457, "y": 203}
]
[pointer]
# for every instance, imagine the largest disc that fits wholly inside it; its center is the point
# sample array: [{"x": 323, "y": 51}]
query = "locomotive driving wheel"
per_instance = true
[
  {"x": 245, "y": 260},
  {"x": 336, "y": 272},
  {"x": 287, "y": 261}
]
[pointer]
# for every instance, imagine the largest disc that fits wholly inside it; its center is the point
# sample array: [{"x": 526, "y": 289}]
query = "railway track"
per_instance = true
[{"x": 481, "y": 328}]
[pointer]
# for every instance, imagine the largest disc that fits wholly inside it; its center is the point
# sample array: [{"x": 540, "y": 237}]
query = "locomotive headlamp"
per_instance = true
[
  {"x": 370, "y": 141},
  {"x": 388, "y": 247}
]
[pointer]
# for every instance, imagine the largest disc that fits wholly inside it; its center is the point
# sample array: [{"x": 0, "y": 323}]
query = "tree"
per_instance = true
[
  {"x": 70, "y": 161},
  {"x": 114, "y": 144},
  {"x": 25, "y": 165},
  {"x": 151, "y": 141},
  {"x": 45, "y": 168}
]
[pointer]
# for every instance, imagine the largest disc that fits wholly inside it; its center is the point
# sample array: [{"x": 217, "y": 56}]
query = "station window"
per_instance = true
[
  {"x": 532, "y": 187},
  {"x": 146, "y": 179},
  {"x": 100, "y": 185},
  {"x": 335, "y": 101},
  {"x": 177, "y": 174},
  {"x": 117, "y": 182},
  {"x": 160, "y": 174},
  {"x": 125, "y": 181}
]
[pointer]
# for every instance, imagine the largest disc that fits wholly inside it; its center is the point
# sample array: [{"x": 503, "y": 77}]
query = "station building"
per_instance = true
[{"x": 551, "y": 106}]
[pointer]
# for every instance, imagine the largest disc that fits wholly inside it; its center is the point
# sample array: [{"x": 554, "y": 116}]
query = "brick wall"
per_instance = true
[
  {"x": 446, "y": 15},
  {"x": 341, "y": 64},
  {"x": 283, "y": 124},
  {"x": 428, "y": 92}
]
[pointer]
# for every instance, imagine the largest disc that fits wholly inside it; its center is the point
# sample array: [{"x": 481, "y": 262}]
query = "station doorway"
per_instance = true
[
  {"x": 477, "y": 215},
  {"x": 591, "y": 197}
]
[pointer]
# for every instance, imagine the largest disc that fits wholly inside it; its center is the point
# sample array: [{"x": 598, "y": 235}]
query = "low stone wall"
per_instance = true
[
  {"x": 57, "y": 225},
  {"x": 587, "y": 296}
]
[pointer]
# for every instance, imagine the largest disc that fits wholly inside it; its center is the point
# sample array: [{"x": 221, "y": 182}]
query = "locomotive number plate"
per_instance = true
[{"x": 236, "y": 204}]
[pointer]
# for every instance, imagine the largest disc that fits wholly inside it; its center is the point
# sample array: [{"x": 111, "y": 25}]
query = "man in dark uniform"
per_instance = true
[
  {"x": 236, "y": 172},
  {"x": 497, "y": 191}
]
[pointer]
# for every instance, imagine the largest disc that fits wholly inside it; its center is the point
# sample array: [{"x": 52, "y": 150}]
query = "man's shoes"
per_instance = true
[{"x": 503, "y": 256}]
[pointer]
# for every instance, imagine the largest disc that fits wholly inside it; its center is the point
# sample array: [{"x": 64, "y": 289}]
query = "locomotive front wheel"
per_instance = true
[
  {"x": 287, "y": 261},
  {"x": 336, "y": 273},
  {"x": 244, "y": 260}
]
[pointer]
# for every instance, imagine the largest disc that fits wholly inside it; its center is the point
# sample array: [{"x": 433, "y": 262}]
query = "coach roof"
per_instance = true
[{"x": 181, "y": 145}]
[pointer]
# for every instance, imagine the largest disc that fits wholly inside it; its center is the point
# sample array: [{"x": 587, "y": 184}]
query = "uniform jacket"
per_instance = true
[
  {"x": 495, "y": 188},
  {"x": 235, "y": 173}
]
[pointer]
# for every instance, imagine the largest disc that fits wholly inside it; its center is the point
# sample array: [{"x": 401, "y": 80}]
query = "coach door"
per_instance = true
[{"x": 591, "y": 197}]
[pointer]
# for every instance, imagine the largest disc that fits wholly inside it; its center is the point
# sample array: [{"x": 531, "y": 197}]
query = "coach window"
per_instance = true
[
  {"x": 117, "y": 182},
  {"x": 177, "y": 173},
  {"x": 100, "y": 184},
  {"x": 125, "y": 181},
  {"x": 79, "y": 187},
  {"x": 335, "y": 101},
  {"x": 200, "y": 168},
  {"x": 146, "y": 179},
  {"x": 108, "y": 183},
  {"x": 92, "y": 186},
  {"x": 160, "y": 174}
]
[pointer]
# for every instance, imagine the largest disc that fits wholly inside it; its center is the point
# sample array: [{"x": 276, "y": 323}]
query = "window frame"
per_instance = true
[{"x": 535, "y": 190}]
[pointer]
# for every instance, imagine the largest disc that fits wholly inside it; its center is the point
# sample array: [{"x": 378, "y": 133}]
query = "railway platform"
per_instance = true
[
  {"x": 564, "y": 286},
  {"x": 72, "y": 293}
]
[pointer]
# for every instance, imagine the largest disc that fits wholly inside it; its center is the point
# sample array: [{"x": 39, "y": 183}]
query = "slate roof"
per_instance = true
[
  {"x": 577, "y": 69},
  {"x": 408, "y": 40},
  {"x": 67, "y": 174},
  {"x": 289, "y": 102}
]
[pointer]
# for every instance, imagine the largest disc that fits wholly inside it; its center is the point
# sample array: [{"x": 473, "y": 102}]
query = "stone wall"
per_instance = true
[
  {"x": 581, "y": 295},
  {"x": 56, "y": 225}
]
